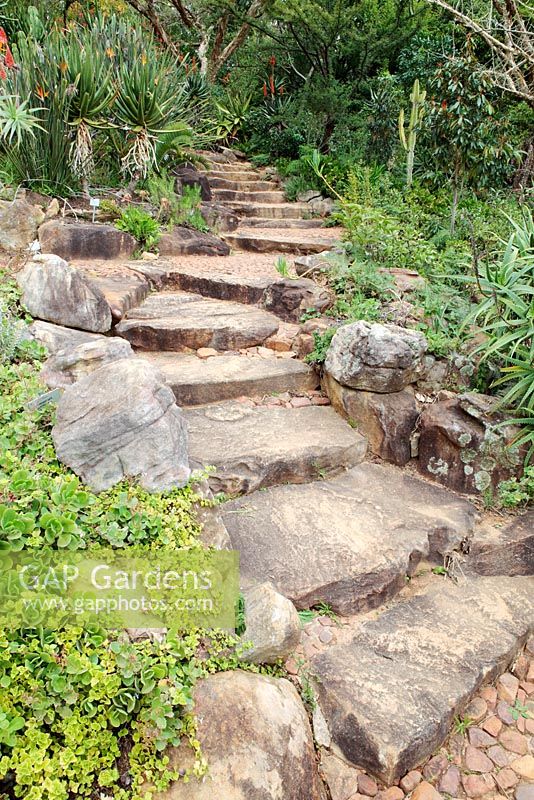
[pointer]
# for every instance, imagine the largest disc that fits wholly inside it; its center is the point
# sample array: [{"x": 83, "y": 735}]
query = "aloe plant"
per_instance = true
[{"x": 408, "y": 136}]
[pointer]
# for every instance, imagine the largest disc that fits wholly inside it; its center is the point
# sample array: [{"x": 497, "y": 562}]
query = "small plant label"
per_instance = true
[
  {"x": 94, "y": 202},
  {"x": 43, "y": 400}
]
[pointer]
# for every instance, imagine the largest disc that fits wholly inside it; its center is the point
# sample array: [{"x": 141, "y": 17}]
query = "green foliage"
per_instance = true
[
  {"x": 232, "y": 113},
  {"x": 518, "y": 491},
  {"x": 506, "y": 317},
  {"x": 320, "y": 350},
  {"x": 140, "y": 225},
  {"x": 174, "y": 209},
  {"x": 17, "y": 120}
]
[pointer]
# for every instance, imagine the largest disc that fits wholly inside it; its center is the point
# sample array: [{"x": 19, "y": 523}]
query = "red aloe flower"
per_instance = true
[
  {"x": 264, "y": 89},
  {"x": 271, "y": 84},
  {"x": 9, "y": 61}
]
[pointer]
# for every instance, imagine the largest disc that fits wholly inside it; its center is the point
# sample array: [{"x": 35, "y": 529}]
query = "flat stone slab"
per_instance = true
[
  {"x": 507, "y": 550},
  {"x": 390, "y": 695},
  {"x": 277, "y": 244},
  {"x": 349, "y": 542},
  {"x": 219, "y": 286},
  {"x": 122, "y": 287},
  {"x": 196, "y": 381},
  {"x": 175, "y": 321},
  {"x": 262, "y": 446}
]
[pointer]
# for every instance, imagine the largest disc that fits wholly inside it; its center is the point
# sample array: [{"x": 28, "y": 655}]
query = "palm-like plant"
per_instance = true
[
  {"x": 16, "y": 119},
  {"x": 506, "y": 317}
]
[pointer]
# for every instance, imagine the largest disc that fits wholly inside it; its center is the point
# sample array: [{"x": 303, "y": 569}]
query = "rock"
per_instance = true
[
  {"x": 524, "y": 791},
  {"x": 52, "y": 209},
  {"x": 390, "y": 693},
  {"x": 393, "y": 793},
  {"x": 289, "y": 299},
  {"x": 342, "y": 779},
  {"x": 188, "y": 242},
  {"x": 367, "y": 785},
  {"x": 477, "y": 709},
  {"x": 313, "y": 266},
  {"x": 386, "y": 420},
  {"x": 406, "y": 280},
  {"x": 349, "y": 541},
  {"x": 479, "y": 738},
  {"x": 435, "y": 374},
  {"x": 219, "y": 217},
  {"x": 504, "y": 550},
  {"x": 436, "y": 767},
  {"x": 507, "y": 686},
  {"x": 513, "y": 741},
  {"x": 197, "y": 381},
  {"x": 492, "y": 725},
  {"x": 309, "y": 194},
  {"x": 477, "y": 785},
  {"x": 254, "y": 733},
  {"x": 255, "y": 447},
  {"x": 410, "y": 781},
  {"x": 425, "y": 791},
  {"x": 450, "y": 782},
  {"x": 321, "y": 206},
  {"x": 524, "y": 767},
  {"x": 476, "y": 761},
  {"x": 69, "y": 365},
  {"x": 56, "y": 337},
  {"x": 321, "y": 734},
  {"x": 85, "y": 240},
  {"x": 56, "y": 292},
  {"x": 499, "y": 755},
  {"x": 19, "y": 222},
  {"x": 506, "y": 779},
  {"x": 188, "y": 175},
  {"x": 121, "y": 422},
  {"x": 175, "y": 322},
  {"x": 375, "y": 358},
  {"x": 272, "y": 625},
  {"x": 461, "y": 448}
]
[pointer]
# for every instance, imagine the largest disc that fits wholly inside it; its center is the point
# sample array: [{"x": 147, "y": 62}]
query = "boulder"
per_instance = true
[
  {"x": 56, "y": 337},
  {"x": 73, "y": 240},
  {"x": 386, "y": 420},
  {"x": 272, "y": 625},
  {"x": 71, "y": 364},
  {"x": 121, "y": 421},
  {"x": 321, "y": 206},
  {"x": 289, "y": 299},
  {"x": 504, "y": 550},
  {"x": 19, "y": 221},
  {"x": 461, "y": 447},
  {"x": 187, "y": 242},
  {"x": 188, "y": 175},
  {"x": 219, "y": 217},
  {"x": 374, "y": 357},
  {"x": 56, "y": 292},
  {"x": 255, "y": 735}
]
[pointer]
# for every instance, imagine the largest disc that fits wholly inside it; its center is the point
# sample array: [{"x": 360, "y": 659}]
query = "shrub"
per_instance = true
[{"x": 140, "y": 225}]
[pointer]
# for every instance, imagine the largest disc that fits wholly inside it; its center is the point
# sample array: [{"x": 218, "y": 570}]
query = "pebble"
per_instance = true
[
  {"x": 507, "y": 686},
  {"x": 499, "y": 756},
  {"x": 520, "y": 668},
  {"x": 524, "y": 767},
  {"x": 450, "y": 782},
  {"x": 479, "y": 738},
  {"x": 410, "y": 781},
  {"x": 492, "y": 725},
  {"x": 367, "y": 785},
  {"x": 525, "y": 791},
  {"x": 476, "y": 760},
  {"x": 206, "y": 352},
  {"x": 477, "y": 709},
  {"x": 320, "y": 401},
  {"x": 514, "y": 741},
  {"x": 489, "y": 693},
  {"x": 301, "y": 402},
  {"x": 506, "y": 779},
  {"x": 393, "y": 793},
  {"x": 425, "y": 791},
  {"x": 326, "y": 636},
  {"x": 504, "y": 713},
  {"x": 435, "y": 768},
  {"x": 477, "y": 785}
]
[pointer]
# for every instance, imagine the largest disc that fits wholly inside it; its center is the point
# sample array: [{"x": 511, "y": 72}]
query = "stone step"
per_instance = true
[
  {"x": 295, "y": 224},
  {"x": 228, "y": 158},
  {"x": 180, "y": 321},
  {"x": 297, "y": 244},
  {"x": 196, "y": 381},
  {"x": 243, "y": 185},
  {"x": 234, "y": 174},
  {"x": 223, "y": 195},
  {"x": 270, "y": 210},
  {"x": 391, "y": 693},
  {"x": 258, "y": 446},
  {"x": 350, "y": 542},
  {"x": 237, "y": 288}
]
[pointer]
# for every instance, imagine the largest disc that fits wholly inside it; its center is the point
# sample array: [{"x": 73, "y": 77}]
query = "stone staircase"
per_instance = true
[
  {"x": 263, "y": 205},
  {"x": 311, "y": 515}
]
